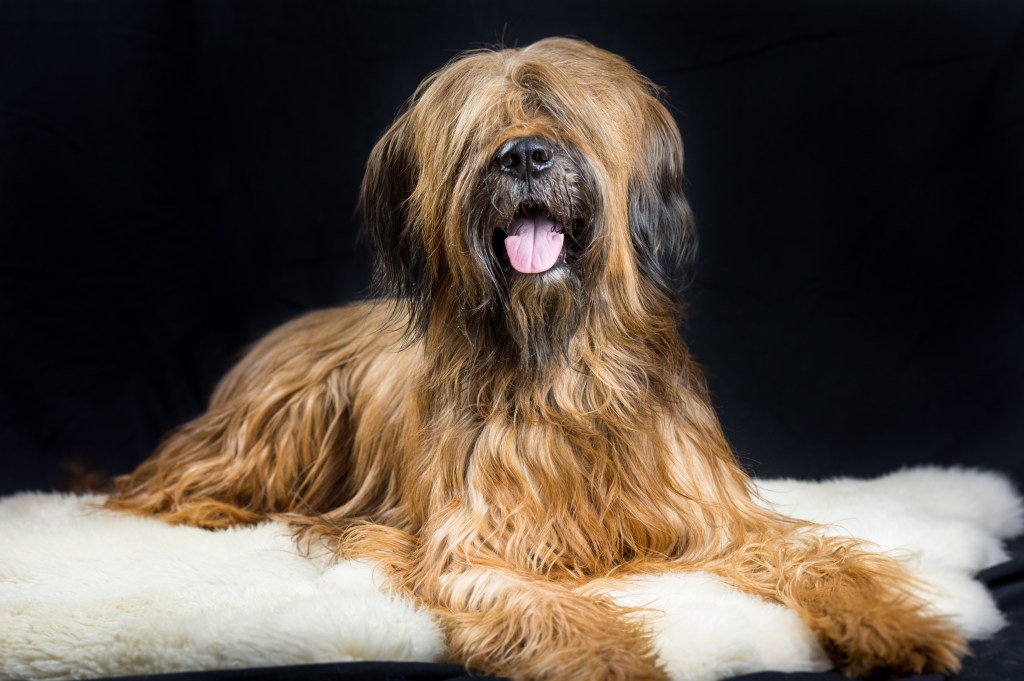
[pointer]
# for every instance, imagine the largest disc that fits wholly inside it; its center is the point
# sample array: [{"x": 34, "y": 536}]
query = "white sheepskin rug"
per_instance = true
[{"x": 88, "y": 593}]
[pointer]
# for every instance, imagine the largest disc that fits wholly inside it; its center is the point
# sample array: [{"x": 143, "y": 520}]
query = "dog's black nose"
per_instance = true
[{"x": 526, "y": 157}]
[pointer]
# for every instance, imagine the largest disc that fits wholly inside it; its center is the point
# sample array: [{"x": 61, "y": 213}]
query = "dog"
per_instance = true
[{"x": 515, "y": 421}]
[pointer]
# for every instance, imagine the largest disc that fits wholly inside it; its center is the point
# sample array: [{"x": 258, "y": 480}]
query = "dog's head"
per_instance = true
[{"x": 522, "y": 188}]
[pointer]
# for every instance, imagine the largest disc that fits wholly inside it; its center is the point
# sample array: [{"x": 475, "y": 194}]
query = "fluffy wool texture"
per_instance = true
[{"x": 86, "y": 592}]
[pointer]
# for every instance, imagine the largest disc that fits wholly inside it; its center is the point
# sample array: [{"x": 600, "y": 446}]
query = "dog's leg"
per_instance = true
[
  {"x": 530, "y": 629},
  {"x": 504, "y": 621},
  {"x": 864, "y": 607},
  {"x": 867, "y": 610}
]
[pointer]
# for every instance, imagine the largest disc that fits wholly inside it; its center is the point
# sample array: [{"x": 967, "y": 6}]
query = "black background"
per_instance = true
[{"x": 177, "y": 178}]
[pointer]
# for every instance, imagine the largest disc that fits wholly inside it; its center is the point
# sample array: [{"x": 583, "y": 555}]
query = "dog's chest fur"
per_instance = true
[{"x": 560, "y": 474}]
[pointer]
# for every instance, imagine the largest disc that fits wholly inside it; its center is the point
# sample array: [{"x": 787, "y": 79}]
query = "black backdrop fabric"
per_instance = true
[{"x": 176, "y": 178}]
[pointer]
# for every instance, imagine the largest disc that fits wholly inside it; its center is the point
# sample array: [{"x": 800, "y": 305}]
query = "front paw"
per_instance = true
[{"x": 894, "y": 645}]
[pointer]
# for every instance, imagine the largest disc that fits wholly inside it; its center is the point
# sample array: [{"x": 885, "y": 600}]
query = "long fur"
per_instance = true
[{"x": 500, "y": 441}]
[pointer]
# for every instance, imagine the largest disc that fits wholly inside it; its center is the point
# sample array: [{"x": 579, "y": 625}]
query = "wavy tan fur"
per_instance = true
[{"x": 503, "y": 442}]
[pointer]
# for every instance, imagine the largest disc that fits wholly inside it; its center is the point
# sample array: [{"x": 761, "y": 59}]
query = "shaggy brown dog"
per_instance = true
[{"x": 516, "y": 420}]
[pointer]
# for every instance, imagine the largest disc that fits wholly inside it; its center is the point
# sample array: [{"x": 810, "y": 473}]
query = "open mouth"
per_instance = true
[{"x": 535, "y": 240}]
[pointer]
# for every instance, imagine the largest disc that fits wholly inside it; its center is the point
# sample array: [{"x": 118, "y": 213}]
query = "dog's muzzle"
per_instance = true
[{"x": 535, "y": 237}]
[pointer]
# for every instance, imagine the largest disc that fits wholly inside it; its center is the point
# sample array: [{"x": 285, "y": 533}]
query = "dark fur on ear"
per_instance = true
[
  {"x": 400, "y": 272},
  {"x": 660, "y": 220}
]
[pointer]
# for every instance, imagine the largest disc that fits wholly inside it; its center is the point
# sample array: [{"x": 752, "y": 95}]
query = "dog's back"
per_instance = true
[{"x": 279, "y": 434}]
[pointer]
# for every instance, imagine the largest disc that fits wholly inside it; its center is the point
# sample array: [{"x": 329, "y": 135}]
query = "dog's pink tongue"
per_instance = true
[{"x": 534, "y": 244}]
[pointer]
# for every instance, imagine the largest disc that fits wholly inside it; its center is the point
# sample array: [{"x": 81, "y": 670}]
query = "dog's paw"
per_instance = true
[{"x": 901, "y": 644}]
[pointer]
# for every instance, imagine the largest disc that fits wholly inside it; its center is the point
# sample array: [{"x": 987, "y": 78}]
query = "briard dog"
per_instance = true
[{"x": 515, "y": 420}]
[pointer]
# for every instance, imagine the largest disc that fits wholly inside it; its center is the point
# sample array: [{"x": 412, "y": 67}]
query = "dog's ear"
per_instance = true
[
  {"x": 400, "y": 269},
  {"x": 660, "y": 221}
]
